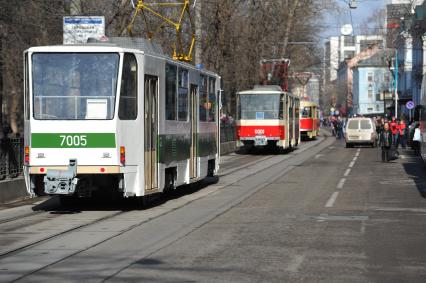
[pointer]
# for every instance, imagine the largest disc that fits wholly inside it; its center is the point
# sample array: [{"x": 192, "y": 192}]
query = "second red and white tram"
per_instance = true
[
  {"x": 267, "y": 116},
  {"x": 309, "y": 119}
]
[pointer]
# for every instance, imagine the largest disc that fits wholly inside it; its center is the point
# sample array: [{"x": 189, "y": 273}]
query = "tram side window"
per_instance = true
[
  {"x": 26, "y": 94},
  {"x": 183, "y": 95},
  {"x": 212, "y": 100},
  {"x": 203, "y": 99},
  {"x": 281, "y": 110},
  {"x": 171, "y": 72},
  {"x": 128, "y": 107}
]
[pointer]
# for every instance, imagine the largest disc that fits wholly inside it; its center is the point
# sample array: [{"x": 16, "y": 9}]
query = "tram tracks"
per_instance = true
[
  {"x": 55, "y": 235},
  {"x": 107, "y": 217},
  {"x": 285, "y": 157},
  {"x": 138, "y": 218}
]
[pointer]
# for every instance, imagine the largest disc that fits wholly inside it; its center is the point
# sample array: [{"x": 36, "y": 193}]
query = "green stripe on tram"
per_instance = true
[{"x": 73, "y": 140}]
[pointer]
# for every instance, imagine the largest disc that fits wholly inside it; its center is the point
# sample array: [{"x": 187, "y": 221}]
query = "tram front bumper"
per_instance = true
[{"x": 63, "y": 182}]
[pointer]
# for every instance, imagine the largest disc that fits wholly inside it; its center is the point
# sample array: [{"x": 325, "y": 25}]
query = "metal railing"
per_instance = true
[
  {"x": 11, "y": 157},
  {"x": 227, "y": 133}
]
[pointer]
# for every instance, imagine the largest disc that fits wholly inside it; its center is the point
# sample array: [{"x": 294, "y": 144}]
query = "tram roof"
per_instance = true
[
  {"x": 308, "y": 103},
  {"x": 117, "y": 44},
  {"x": 265, "y": 89}
]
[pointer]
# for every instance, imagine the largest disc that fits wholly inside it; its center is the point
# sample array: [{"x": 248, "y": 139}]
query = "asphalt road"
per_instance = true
[{"x": 322, "y": 213}]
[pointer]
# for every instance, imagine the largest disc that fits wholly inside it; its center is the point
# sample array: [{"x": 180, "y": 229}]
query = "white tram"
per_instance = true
[
  {"x": 267, "y": 115},
  {"x": 118, "y": 116}
]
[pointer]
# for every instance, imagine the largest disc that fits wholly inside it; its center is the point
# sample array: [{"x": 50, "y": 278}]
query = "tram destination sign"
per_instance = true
[{"x": 77, "y": 29}]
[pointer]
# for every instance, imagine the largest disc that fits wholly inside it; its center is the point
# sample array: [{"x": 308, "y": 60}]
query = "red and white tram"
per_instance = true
[
  {"x": 309, "y": 119},
  {"x": 267, "y": 116}
]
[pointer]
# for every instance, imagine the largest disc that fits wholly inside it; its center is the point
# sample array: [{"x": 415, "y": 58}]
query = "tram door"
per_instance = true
[
  {"x": 194, "y": 130},
  {"x": 151, "y": 132},
  {"x": 290, "y": 120}
]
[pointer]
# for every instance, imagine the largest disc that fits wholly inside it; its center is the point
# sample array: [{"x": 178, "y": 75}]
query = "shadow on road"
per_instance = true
[
  {"x": 416, "y": 169},
  {"x": 265, "y": 151},
  {"x": 117, "y": 202}
]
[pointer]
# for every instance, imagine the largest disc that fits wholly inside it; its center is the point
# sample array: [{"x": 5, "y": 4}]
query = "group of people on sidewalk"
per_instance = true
[
  {"x": 394, "y": 133},
  {"x": 337, "y": 125}
]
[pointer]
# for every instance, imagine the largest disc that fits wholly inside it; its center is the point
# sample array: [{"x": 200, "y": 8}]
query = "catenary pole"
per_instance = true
[{"x": 396, "y": 83}]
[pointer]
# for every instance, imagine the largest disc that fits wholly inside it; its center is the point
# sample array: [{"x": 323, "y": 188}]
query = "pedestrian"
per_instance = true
[
  {"x": 394, "y": 129},
  {"x": 402, "y": 134},
  {"x": 417, "y": 138},
  {"x": 386, "y": 142},
  {"x": 379, "y": 128},
  {"x": 7, "y": 152},
  {"x": 334, "y": 127},
  {"x": 339, "y": 128}
]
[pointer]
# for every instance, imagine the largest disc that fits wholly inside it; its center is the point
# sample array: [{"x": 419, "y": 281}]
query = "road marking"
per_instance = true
[
  {"x": 357, "y": 154},
  {"x": 326, "y": 217},
  {"x": 358, "y": 150},
  {"x": 318, "y": 156},
  {"x": 347, "y": 172},
  {"x": 355, "y": 158},
  {"x": 362, "y": 227},
  {"x": 295, "y": 263},
  {"x": 341, "y": 183},
  {"x": 351, "y": 164},
  {"x": 332, "y": 199},
  {"x": 407, "y": 182}
]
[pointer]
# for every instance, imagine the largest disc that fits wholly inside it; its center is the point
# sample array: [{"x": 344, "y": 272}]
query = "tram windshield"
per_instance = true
[
  {"x": 260, "y": 106},
  {"x": 74, "y": 86},
  {"x": 306, "y": 112}
]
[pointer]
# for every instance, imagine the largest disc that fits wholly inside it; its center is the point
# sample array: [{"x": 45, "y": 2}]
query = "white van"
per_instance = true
[{"x": 360, "y": 131}]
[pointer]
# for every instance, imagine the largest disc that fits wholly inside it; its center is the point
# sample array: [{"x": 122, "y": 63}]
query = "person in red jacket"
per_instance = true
[
  {"x": 402, "y": 134},
  {"x": 394, "y": 130}
]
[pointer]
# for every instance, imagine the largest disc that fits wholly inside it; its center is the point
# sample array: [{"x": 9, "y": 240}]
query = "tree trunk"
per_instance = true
[{"x": 289, "y": 24}]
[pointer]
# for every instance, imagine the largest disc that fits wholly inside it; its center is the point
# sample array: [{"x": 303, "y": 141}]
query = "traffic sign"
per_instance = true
[{"x": 410, "y": 105}]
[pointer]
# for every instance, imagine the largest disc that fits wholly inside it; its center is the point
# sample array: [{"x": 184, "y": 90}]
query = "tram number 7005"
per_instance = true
[{"x": 73, "y": 140}]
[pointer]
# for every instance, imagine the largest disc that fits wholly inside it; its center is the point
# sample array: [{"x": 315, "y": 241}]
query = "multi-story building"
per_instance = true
[
  {"x": 340, "y": 48},
  {"x": 372, "y": 82},
  {"x": 406, "y": 24}
]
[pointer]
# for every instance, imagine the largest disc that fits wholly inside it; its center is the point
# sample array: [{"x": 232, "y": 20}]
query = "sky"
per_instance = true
[{"x": 365, "y": 8}]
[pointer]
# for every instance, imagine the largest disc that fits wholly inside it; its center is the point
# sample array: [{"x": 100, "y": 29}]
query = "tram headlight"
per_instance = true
[
  {"x": 122, "y": 155},
  {"x": 27, "y": 155}
]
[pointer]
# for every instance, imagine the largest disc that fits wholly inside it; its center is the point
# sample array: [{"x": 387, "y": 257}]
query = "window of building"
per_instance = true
[
  {"x": 171, "y": 72},
  {"x": 349, "y": 40},
  {"x": 364, "y": 44},
  {"x": 183, "y": 95},
  {"x": 370, "y": 92},
  {"x": 349, "y": 54},
  {"x": 203, "y": 101},
  {"x": 386, "y": 77},
  {"x": 128, "y": 105},
  {"x": 212, "y": 100},
  {"x": 370, "y": 77}
]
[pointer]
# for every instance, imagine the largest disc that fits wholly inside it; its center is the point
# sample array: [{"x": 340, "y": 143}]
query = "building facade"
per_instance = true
[
  {"x": 372, "y": 84},
  {"x": 337, "y": 49}
]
